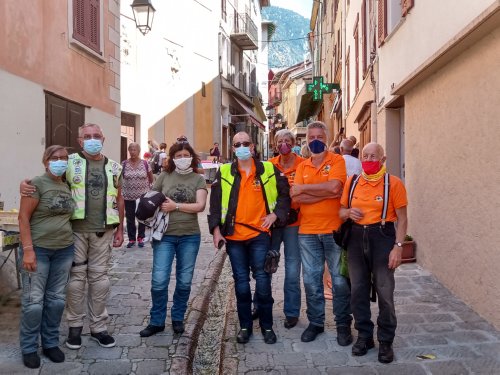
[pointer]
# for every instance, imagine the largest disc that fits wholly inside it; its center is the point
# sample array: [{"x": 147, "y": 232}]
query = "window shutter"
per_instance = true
[
  {"x": 86, "y": 23},
  {"x": 406, "y": 5},
  {"x": 364, "y": 35},
  {"x": 94, "y": 21},
  {"x": 382, "y": 21},
  {"x": 79, "y": 21}
]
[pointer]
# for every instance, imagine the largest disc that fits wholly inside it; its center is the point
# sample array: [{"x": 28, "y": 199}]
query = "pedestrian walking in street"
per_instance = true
[
  {"x": 374, "y": 202},
  {"x": 95, "y": 184},
  {"x": 317, "y": 188},
  {"x": 248, "y": 197},
  {"x": 137, "y": 179},
  {"x": 186, "y": 194},
  {"x": 287, "y": 162},
  {"x": 46, "y": 253}
]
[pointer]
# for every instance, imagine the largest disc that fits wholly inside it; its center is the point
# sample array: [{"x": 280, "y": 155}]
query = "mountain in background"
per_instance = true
[{"x": 284, "y": 52}]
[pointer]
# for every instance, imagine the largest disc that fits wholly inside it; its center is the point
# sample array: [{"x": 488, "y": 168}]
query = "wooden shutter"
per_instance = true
[
  {"x": 87, "y": 23},
  {"x": 382, "y": 21},
  {"x": 62, "y": 120},
  {"x": 364, "y": 36},
  {"x": 406, "y": 5}
]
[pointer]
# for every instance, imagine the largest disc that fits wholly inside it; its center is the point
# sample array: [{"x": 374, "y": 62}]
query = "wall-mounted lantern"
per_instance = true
[{"x": 143, "y": 15}]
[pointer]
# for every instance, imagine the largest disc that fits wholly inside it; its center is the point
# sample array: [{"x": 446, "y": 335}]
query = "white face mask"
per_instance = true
[{"x": 183, "y": 163}]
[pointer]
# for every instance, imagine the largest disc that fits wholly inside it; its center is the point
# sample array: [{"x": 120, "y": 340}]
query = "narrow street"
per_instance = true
[{"x": 432, "y": 322}]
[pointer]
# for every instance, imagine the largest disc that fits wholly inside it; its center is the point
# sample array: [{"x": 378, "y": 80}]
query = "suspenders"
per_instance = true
[{"x": 387, "y": 187}]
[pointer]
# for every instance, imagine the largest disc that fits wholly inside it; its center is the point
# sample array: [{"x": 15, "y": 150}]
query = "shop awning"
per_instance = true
[
  {"x": 254, "y": 118},
  {"x": 308, "y": 107}
]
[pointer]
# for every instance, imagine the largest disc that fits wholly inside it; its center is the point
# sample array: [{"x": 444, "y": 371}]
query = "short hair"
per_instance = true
[
  {"x": 284, "y": 133},
  {"x": 243, "y": 133},
  {"x": 347, "y": 145},
  {"x": 317, "y": 125},
  {"x": 134, "y": 144},
  {"x": 163, "y": 146},
  {"x": 51, "y": 150},
  {"x": 176, "y": 147},
  {"x": 87, "y": 125},
  {"x": 380, "y": 149},
  {"x": 305, "y": 151}
]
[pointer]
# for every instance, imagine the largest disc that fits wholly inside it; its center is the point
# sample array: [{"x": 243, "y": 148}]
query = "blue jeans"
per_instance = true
[
  {"x": 245, "y": 256},
  {"x": 315, "y": 249},
  {"x": 291, "y": 285},
  {"x": 43, "y": 298},
  {"x": 185, "y": 250}
]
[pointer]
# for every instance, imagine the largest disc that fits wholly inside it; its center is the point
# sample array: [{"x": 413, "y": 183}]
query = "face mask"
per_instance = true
[
  {"x": 316, "y": 146},
  {"x": 371, "y": 167},
  {"x": 58, "y": 167},
  {"x": 183, "y": 163},
  {"x": 92, "y": 146},
  {"x": 243, "y": 153},
  {"x": 284, "y": 149}
]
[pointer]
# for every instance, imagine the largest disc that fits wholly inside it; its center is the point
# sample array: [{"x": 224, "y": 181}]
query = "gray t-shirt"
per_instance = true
[
  {"x": 50, "y": 225},
  {"x": 95, "y": 219},
  {"x": 181, "y": 188}
]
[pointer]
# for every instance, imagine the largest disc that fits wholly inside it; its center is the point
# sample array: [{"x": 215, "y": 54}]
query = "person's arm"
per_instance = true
[
  {"x": 26, "y": 189},
  {"x": 118, "y": 235},
  {"x": 402, "y": 226},
  {"x": 28, "y": 206},
  {"x": 283, "y": 201},
  {"x": 191, "y": 208},
  {"x": 328, "y": 189}
]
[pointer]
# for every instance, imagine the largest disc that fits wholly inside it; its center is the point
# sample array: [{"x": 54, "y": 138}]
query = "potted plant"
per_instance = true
[{"x": 409, "y": 246}]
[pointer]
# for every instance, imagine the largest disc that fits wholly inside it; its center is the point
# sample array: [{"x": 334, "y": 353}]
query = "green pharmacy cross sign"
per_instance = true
[{"x": 318, "y": 88}]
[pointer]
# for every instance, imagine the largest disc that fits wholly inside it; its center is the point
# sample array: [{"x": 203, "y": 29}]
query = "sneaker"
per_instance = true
[
  {"x": 103, "y": 339},
  {"x": 178, "y": 326},
  {"x": 344, "y": 336},
  {"x": 244, "y": 335},
  {"x": 140, "y": 242},
  {"x": 31, "y": 360},
  {"x": 290, "y": 322},
  {"x": 385, "y": 352},
  {"x": 74, "y": 340},
  {"x": 269, "y": 336},
  {"x": 151, "y": 330},
  {"x": 54, "y": 354},
  {"x": 362, "y": 346},
  {"x": 311, "y": 332},
  {"x": 130, "y": 244}
]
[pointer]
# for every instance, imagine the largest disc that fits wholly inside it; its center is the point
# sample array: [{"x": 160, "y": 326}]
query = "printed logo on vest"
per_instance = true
[
  {"x": 77, "y": 179},
  {"x": 77, "y": 162}
]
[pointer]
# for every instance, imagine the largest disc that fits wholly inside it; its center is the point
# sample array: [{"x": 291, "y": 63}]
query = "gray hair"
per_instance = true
[
  {"x": 88, "y": 125},
  {"x": 134, "y": 144},
  {"x": 347, "y": 145},
  {"x": 51, "y": 150},
  {"x": 284, "y": 133},
  {"x": 317, "y": 125}
]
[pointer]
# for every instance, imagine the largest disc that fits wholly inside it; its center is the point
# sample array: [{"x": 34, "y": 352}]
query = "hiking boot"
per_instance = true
[
  {"x": 140, "y": 242},
  {"x": 290, "y": 322},
  {"x": 362, "y": 345},
  {"x": 103, "y": 339},
  {"x": 269, "y": 336},
  {"x": 31, "y": 360},
  {"x": 54, "y": 354},
  {"x": 311, "y": 332},
  {"x": 74, "y": 340},
  {"x": 385, "y": 352},
  {"x": 244, "y": 335},
  {"x": 151, "y": 330},
  {"x": 130, "y": 244},
  {"x": 344, "y": 336},
  {"x": 178, "y": 326}
]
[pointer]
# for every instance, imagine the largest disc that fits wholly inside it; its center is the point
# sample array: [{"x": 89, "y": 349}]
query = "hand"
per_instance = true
[
  {"x": 218, "y": 237},
  {"x": 268, "y": 220},
  {"x": 118, "y": 237},
  {"x": 168, "y": 206},
  {"x": 26, "y": 189},
  {"x": 29, "y": 260},
  {"x": 395, "y": 257},
  {"x": 295, "y": 190},
  {"x": 355, "y": 214}
]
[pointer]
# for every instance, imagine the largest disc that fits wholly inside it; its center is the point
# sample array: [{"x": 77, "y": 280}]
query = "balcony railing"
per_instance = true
[{"x": 244, "y": 32}]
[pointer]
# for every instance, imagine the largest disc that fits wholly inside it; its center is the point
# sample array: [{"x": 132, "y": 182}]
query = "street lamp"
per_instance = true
[{"x": 143, "y": 15}]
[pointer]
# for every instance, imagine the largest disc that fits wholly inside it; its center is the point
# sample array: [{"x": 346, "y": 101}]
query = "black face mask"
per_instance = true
[{"x": 316, "y": 146}]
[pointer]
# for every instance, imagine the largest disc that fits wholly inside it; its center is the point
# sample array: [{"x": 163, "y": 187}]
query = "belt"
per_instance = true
[{"x": 375, "y": 225}]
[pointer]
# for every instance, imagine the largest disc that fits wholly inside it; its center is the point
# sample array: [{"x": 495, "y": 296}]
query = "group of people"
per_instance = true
[{"x": 71, "y": 217}]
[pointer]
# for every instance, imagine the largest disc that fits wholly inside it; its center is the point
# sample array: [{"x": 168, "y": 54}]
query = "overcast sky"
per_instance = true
[{"x": 302, "y": 7}]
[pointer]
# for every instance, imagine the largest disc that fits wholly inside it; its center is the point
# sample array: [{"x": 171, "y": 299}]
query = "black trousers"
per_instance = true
[
  {"x": 368, "y": 258},
  {"x": 130, "y": 207}
]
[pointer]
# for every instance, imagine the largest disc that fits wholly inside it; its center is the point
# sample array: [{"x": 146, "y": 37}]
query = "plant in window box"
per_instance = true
[{"x": 409, "y": 247}]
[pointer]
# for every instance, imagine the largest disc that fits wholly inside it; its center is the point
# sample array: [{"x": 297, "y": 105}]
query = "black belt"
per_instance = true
[
  {"x": 376, "y": 225},
  {"x": 79, "y": 263}
]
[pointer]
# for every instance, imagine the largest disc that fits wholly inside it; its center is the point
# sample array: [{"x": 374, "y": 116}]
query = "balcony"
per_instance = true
[{"x": 244, "y": 33}]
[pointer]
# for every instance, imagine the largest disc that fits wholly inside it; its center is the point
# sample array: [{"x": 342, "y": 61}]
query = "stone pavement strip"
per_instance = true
[{"x": 430, "y": 321}]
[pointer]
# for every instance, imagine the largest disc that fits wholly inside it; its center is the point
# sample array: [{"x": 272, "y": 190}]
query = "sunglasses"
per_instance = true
[{"x": 239, "y": 144}]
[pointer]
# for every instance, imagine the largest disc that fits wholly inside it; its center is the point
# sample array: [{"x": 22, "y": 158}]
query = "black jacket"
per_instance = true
[{"x": 282, "y": 204}]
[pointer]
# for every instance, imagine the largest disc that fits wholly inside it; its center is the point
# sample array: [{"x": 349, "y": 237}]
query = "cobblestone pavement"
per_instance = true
[
  {"x": 430, "y": 321},
  {"x": 128, "y": 308}
]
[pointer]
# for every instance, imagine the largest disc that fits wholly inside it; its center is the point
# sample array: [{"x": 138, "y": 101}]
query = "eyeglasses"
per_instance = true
[
  {"x": 87, "y": 137},
  {"x": 56, "y": 158},
  {"x": 239, "y": 144}
]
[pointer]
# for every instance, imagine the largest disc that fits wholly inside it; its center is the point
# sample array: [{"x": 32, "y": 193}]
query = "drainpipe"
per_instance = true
[{"x": 344, "y": 76}]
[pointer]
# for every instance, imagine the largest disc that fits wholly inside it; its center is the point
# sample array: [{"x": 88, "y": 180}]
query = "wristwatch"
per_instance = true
[
  {"x": 177, "y": 207},
  {"x": 398, "y": 244}
]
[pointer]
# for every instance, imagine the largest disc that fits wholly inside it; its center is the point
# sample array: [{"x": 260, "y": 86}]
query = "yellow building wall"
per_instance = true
[
  {"x": 203, "y": 119},
  {"x": 453, "y": 177}
]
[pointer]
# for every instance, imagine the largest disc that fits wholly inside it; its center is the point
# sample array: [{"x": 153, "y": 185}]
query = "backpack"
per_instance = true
[
  {"x": 148, "y": 205},
  {"x": 155, "y": 163}
]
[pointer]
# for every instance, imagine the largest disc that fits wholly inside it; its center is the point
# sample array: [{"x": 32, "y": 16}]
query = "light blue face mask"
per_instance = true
[
  {"x": 58, "y": 167},
  {"x": 92, "y": 146},
  {"x": 243, "y": 153}
]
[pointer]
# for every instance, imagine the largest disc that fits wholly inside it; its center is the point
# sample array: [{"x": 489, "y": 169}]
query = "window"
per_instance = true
[
  {"x": 364, "y": 127},
  {"x": 356, "y": 54},
  {"x": 348, "y": 78},
  {"x": 365, "y": 17},
  {"x": 86, "y": 20},
  {"x": 390, "y": 14}
]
